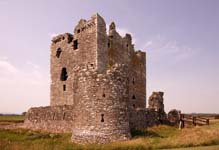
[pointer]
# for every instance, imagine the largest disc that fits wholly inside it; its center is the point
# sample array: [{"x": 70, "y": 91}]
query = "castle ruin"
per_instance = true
[{"x": 98, "y": 86}]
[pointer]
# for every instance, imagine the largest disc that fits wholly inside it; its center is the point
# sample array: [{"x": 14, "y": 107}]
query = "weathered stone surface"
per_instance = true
[
  {"x": 55, "y": 119},
  {"x": 174, "y": 116},
  {"x": 156, "y": 101},
  {"x": 98, "y": 86}
]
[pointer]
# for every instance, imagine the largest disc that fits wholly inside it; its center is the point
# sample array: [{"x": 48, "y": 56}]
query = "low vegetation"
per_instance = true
[
  {"x": 158, "y": 137},
  {"x": 11, "y": 118}
]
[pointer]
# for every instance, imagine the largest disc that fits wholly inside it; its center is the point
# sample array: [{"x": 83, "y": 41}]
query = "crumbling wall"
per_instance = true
[
  {"x": 121, "y": 50},
  {"x": 55, "y": 119},
  {"x": 174, "y": 116},
  {"x": 137, "y": 80},
  {"x": 156, "y": 101},
  {"x": 142, "y": 118}
]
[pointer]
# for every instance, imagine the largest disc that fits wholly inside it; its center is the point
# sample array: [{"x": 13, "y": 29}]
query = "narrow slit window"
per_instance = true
[
  {"x": 102, "y": 117},
  {"x": 133, "y": 105},
  {"x": 64, "y": 74},
  {"x": 64, "y": 87},
  {"x": 133, "y": 97},
  {"x": 63, "y": 117},
  {"x": 133, "y": 80},
  {"x": 75, "y": 44},
  {"x": 58, "y": 52}
]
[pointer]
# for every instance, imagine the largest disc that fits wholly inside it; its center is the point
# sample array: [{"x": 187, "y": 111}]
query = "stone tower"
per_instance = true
[
  {"x": 101, "y": 75},
  {"x": 97, "y": 81}
]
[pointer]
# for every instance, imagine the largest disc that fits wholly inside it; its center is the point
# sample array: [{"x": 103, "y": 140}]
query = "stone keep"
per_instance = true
[
  {"x": 98, "y": 81},
  {"x": 92, "y": 49}
]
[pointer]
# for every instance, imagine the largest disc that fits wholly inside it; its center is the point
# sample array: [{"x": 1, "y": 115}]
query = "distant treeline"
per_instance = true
[
  {"x": 12, "y": 114},
  {"x": 209, "y": 115}
]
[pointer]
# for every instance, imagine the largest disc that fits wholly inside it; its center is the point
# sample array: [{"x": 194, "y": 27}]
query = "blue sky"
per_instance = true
[{"x": 180, "y": 37}]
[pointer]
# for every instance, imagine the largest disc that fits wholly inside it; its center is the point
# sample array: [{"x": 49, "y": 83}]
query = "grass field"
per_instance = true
[
  {"x": 12, "y": 118},
  {"x": 159, "y": 137}
]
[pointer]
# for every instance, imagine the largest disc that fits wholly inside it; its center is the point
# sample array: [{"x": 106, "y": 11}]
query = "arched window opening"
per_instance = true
[
  {"x": 133, "y": 97},
  {"x": 64, "y": 74},
  {"x": 58, "y": 52}
]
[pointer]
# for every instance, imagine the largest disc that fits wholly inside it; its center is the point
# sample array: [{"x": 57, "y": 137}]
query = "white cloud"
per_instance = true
[
  {"x": 32, "y": 65},
  {"x": 159, "y": 48},
  {"x": 6, "y": 67},
  {"x": 22, "y": 87},
  {"x": 13, "y": 74}
]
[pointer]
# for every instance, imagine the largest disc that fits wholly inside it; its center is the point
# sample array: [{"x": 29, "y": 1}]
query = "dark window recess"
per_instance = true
[
  {"x": 127, "y": 45},
  {"x": 70, "y": 38},
  {"x": 64, "y": 74},
  {"x": 104, "y": 95},
  {"x": 53, "y": 117},
  {"x": 111, "y": 36},
  {"x": 133, "y": 97},
  {"x": 134, "y": 105},
  {"x": 58, "y": 52},
  {"x": 79, "y": 31},
  {"x": 133, "y": 80},
  {"x": 108, "y": 44},
  {"x": 75, "y": 44},
  {"x": 64, "y": 87},
  {"x": 102, "y": 117},
  {"x": 63, "y": 117},
  {"x": 63, "y": 38}
]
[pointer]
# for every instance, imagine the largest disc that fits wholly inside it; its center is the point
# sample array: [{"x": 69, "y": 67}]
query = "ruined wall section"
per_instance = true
[
  {"x": 101, "y": 111},
  {"x": 142, "y": 118},
  {"x": 55, "y": 119},
  {"x": 69, "y": 52},
  {"x": 121, "y": 50},
  {"x": 137, "y": 85}
]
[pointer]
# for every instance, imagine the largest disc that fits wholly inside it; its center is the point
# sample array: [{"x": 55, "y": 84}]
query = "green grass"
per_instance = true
[
  {"x": 12, "y": 118},
  {"x": 158, "y": 137}
]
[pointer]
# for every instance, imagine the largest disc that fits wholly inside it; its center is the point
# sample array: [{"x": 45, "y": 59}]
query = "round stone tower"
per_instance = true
[{"x": 101, "y": 110}]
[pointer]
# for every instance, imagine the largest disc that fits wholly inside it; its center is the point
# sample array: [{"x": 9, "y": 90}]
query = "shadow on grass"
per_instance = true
[{"x": 144, "y": 133}]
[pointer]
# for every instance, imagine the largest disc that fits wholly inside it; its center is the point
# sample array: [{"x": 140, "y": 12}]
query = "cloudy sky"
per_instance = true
[{"x": 181, "y": 38}]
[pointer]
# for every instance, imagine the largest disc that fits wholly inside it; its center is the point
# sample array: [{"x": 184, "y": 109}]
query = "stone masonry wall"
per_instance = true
[
  {"x": 121, "y": 51},
  {"x": 102, "y": 108},
  {"x": 73, "y": 51},
  {"x": 55, "y": 119},
  {"x": 142, "y": 118},
  {"x": 98, "y": 85}
]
